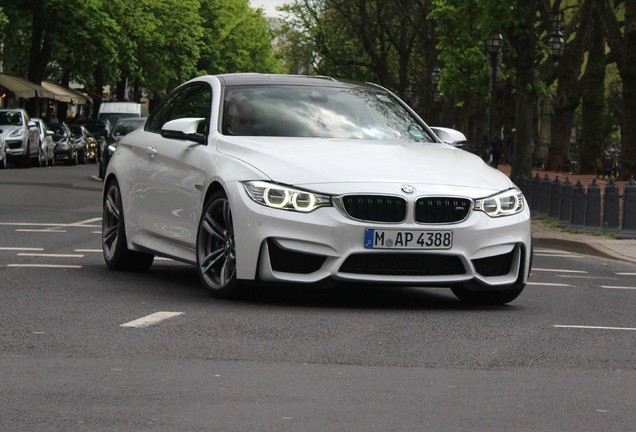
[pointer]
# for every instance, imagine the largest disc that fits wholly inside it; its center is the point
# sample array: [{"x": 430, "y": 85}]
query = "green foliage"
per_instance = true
[
  {"x": 461, "y": 51},
  {"x": 236, "y": 38},
  {"x": 156, "y": 44}
]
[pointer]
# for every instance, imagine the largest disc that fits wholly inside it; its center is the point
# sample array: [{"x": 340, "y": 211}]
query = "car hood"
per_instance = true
[
  {"x": 311, "y": 162},
  {"x": 8, "y": 129}
]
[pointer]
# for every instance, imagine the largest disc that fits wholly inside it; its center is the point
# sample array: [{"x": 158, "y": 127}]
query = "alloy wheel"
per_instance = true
[
  {"x": 110, "y": 222},
  {"x": 215, "y": 246}
]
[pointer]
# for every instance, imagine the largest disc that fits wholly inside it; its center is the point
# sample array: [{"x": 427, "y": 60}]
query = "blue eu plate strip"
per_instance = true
[{"x": 368, "y": 238}]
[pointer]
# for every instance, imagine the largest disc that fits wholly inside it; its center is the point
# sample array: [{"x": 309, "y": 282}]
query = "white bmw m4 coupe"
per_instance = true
[{"x": 310, "y": 180}]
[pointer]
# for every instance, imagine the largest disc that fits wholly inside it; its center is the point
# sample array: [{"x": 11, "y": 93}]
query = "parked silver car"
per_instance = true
[
  {"x": 20, "y": 134},
  {"x": 47, "y": 145},
  {"x": 3, "y": 154}
]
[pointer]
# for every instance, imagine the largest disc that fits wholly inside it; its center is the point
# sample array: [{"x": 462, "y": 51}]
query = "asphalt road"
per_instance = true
[{"x": 79, "y": 350}]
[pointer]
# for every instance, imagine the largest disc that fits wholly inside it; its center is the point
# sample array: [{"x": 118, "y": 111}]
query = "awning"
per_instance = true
[
  {"x": 65, "y": 94},
  {"x": 23, "y": 88}
]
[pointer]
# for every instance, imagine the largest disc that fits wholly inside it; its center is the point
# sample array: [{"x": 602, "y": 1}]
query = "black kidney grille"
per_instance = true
[
  {"x": 441, "y": 209},
  {"x": 375, "y": 208}
]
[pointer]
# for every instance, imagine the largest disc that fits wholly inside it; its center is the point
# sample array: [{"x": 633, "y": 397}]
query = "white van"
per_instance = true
[{"x": 113, "y": 111}]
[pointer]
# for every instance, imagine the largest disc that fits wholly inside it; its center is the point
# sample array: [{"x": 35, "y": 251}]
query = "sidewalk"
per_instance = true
[{"x": 545, "y": 235}]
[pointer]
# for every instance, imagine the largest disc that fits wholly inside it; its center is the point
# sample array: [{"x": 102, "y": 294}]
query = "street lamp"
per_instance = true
[
  {"x": 556, "y": 42},
  {"x": 493, "y": 45}
]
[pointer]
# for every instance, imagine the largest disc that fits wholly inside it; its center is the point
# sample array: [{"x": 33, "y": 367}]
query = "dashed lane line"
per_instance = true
[
  {"x": 50, "y": 255},
  {"x": 593, "y": 327},
  {"x": 549, "y": 284},
  {"x": 40, "y": 230},
  {"x": 618, "y": 287},
  {"x": 559, "y": 255},
  {"x": 151, "y": 319},
  {"x": 60, "y": 266},
  {"x": 557, "y": 270},
  {"x": 21, "y": 249}
]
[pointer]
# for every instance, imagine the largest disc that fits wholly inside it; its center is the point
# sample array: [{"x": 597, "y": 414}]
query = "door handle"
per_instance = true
[{"x": 152, "y": 151}]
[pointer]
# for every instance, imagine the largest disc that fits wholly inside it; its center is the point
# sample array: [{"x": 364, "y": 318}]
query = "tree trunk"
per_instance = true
[
  {"x": 569, "y": 89},
  {"x": 523, "y": 41},
  {"x": 593, "y": 84},
  {"x": 628, "y": 73},
  {"x": 524, "y": 137}
]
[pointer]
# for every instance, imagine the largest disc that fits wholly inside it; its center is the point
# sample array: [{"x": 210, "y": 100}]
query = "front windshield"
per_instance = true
[
  {"x": 58, "y": 130},
  {"x": 124, "y": 127},
  {"x": 10, "y": 118},
  {"x": 324, "y": 112}
]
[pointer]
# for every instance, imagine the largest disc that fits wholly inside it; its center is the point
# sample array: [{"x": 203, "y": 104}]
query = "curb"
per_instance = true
[{"x": 585, "y": 248}]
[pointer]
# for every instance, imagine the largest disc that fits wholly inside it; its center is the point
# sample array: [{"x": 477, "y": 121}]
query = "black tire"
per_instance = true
[
  {"x": 25, "y": 161},
  {"x": 40, "y": 161},
  {"x": 216, "y": 257},
  {"x": 495, "y": 297},
  {"x": 114, "y": 246},
  {"x": 101, "y": 170},
  {"x": 81, "y": 157}
]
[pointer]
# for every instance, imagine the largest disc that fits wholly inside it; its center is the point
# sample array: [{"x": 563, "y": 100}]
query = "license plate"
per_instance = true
[{"x": 401, "y": 239}]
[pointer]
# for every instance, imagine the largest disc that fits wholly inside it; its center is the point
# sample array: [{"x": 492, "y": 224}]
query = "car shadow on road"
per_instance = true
[{"x": 169, "y": 278}]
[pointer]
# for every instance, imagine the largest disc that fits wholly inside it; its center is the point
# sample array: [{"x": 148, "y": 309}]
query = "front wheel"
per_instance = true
[
  {"x": 116, "y": 252},
  {"x": 3, "y": 162},
  {"x": 216, "y": 255},
  {"x": 40, "y": 160},
  {"x": 499, "y": 296}
]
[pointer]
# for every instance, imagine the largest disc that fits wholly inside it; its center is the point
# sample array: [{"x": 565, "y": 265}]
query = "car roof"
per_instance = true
[{"x": 236, "y": 79}]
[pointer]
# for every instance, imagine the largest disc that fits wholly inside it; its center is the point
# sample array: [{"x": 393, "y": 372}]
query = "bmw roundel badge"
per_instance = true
[{"x": 408, "y": 189}]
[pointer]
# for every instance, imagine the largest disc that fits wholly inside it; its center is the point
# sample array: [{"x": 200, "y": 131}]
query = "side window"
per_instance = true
[{"x": 194, "y": 100}]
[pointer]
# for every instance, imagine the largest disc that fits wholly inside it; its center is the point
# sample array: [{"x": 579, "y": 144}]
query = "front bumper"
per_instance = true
[
  {"x": 15, "y": 147},
  {"x": 285, "y": 246},
  {"x": 63, "y": 154}
]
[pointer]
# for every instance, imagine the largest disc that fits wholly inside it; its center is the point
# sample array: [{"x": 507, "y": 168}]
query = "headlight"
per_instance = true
[
  {"x": 284, "y": 197},
  {"x": 17, "y": 133},
  {"x": 503, "y": 204}
]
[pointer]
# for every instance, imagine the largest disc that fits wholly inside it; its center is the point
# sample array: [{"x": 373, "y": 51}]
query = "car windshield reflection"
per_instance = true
[{"x": 320, "y": 112}]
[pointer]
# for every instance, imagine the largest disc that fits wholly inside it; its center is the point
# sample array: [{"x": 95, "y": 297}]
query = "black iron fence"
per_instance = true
[{"x": 590, "y": 208}]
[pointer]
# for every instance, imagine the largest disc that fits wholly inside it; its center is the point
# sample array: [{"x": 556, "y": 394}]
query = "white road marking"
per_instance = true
[
  {"x": 21, "y": 249},
  {"x": 626, "y": 274},
  {"x": 552, "y": 251},
  {"x": 559, "y": 255},
  {"x": 151, "y": 319},
  {"x": 557, "y": 270},
  {"x": 46, "y": 266},
  {"x": 618, "y": 287},
  {"x": 566, "y": 276},
  {"x": 549, "y": 284},
  {"x": 594, "y": 327},
  {"x": 89, "y": 250},
  {"x": 50, "y": 255},
  {"x": 87, "y": 222},
  {"x": 83, "y": 224},
  {"x": 41, "y": 230}
]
